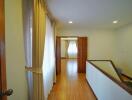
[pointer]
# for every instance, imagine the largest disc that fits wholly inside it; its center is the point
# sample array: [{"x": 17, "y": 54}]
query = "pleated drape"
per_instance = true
[
  {"x": 39, "y": 27},
  {"x": 37, "y": 75}
]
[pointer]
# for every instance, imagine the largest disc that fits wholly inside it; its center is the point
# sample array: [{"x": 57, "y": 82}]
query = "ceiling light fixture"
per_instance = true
[
  {"x": 115, "y": 22},
  {"x": 70, "y": 22}
]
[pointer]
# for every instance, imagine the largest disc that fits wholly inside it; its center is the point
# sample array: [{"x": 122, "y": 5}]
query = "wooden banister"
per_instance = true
[
  {"x": 121, "y": 84},
  {"x": 113, "y": 65},
  {"x": 130, "y": 78}
]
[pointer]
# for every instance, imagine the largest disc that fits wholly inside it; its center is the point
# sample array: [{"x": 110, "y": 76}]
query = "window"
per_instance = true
[{"x": 72, "y": 49}]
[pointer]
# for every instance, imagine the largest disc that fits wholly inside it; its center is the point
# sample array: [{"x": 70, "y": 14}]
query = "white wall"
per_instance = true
[
  {"x": 15, "y": 60},
  {"x": 103, "y": 87},
  {"x": 63, "y": 48},
  {"x": 107, "y": 44},
  {"x": 101, "y": 43},
  {"x": 124, "y": 49}
]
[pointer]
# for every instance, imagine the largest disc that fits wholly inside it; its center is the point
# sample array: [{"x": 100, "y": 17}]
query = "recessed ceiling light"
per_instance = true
[
  {"x": 70, "y": 22},
  {"x": 116, "y": 21}
]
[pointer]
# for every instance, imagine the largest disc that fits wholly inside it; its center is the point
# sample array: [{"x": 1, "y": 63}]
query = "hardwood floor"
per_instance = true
[{"x": 71, "y": 85}]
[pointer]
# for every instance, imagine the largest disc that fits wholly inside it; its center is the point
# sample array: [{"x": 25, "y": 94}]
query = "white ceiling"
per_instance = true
[{"x": 97, "y": 14}]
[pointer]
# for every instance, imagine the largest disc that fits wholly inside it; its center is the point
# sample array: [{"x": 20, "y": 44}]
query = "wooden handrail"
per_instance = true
[
  {"x": 114, "y": 67},
  {"x": 119, "y": 75},
  {"x": 130, "y": 78},
  {"x": 121, "y": 84}
]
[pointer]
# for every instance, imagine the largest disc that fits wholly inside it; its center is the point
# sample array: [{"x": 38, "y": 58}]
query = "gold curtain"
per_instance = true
[{"x": 39, "y": 27}]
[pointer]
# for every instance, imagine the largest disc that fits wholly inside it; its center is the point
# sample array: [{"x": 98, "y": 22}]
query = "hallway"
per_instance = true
[{"x": 70, "y": 85}]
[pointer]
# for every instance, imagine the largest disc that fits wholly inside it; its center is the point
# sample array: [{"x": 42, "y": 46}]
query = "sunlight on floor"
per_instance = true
[{"x": 71, "y": 67}]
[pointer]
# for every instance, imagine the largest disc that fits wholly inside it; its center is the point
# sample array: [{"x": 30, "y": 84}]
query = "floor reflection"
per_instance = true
[
  {"x": 70, "y": 85},
  {"x": 69, "y": 68}
]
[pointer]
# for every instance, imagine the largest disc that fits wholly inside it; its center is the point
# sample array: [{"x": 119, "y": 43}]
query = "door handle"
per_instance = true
[{"x": 6, "y": 93}]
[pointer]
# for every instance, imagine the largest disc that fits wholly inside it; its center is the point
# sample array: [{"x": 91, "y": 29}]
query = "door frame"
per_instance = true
[
  {"x": 82, "y": 54},
  {"x": 58, "y": 54},
  {"x": 3, "y": 84}
]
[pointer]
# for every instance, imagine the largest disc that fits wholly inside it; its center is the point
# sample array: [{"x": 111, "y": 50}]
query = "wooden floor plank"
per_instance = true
[{"x": 71, "y": 85}]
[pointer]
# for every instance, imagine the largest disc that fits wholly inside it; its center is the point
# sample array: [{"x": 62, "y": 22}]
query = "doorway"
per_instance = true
[
  {"x": 71, "y": 48},
  {"x": 69, "y": 51}
]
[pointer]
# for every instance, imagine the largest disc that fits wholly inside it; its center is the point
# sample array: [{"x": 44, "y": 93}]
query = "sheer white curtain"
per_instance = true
[
  {"x": 49, "y": 58},
  {"x": 27, "y": 28},
  {"x": 72, "y": 49}
]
